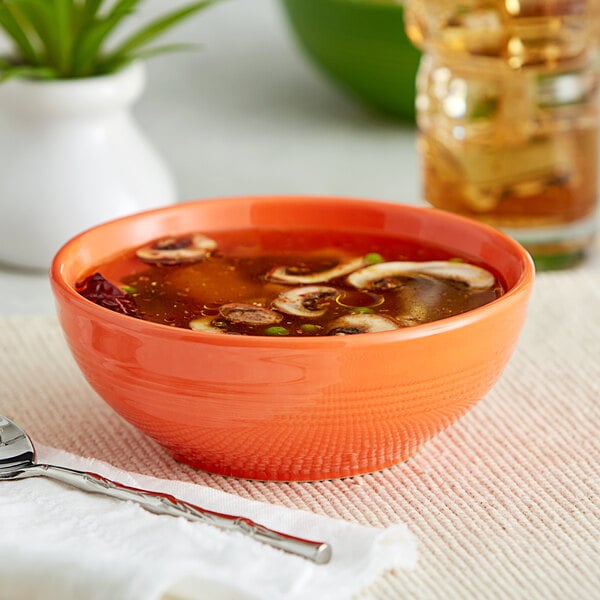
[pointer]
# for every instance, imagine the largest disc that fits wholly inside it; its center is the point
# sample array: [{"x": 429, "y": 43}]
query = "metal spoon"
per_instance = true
[{"x": 17, "y": 461}]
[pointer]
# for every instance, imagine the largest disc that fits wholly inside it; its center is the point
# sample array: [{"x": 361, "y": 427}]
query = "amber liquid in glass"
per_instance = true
[{"x": 508, "y": 117}]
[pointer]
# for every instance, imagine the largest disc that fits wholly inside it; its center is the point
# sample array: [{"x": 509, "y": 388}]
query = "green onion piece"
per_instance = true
[
  {"x": 309, "y": 328},
  {"x": 276, "y": 331},
  {"x": 362, "y": 309},
  {"x": 456, "y": 259},
  {"x": 129, "y": 289},
  {"x": 373, "y": 257}
]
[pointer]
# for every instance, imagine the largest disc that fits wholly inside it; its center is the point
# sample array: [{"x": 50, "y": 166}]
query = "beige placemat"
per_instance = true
[{"x": 505, "y": 503}]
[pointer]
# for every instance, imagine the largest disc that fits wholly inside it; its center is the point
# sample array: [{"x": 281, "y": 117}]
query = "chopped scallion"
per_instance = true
[
  {"x": 276, "y": 330},
  {"x": 373, "y": 257}
]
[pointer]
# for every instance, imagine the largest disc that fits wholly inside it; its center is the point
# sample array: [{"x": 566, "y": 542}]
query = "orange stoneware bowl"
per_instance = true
[{"x": 293, "y": 408}]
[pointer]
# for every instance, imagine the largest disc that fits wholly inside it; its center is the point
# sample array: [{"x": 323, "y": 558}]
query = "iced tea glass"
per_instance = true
[{"x": 507, "y": 112}]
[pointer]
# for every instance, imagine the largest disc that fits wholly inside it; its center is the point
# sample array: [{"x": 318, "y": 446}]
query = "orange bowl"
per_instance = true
[{"x": 291, "y": 408}]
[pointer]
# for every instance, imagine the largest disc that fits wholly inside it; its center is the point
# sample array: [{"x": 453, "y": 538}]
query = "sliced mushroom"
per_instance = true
[
  {"x": 306, "y": 301},
  {"x": 384, "y": 275},
  {"x": 286, "y": 275},
  {"x": 177, "y": 250},
  {"x": 205, "y": 324},
  {"x": 408, "y": 321},
  {"x": 360, "y": 323},
  {"x": 250, "y": 314}
]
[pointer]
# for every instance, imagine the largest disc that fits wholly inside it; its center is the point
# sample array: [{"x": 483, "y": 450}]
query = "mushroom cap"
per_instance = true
[
  {"x": 304, "y": 301},
  {"x": 250, "y": 314},
  {"x": 177, "y": 250},
  {"x": 204, "y": 324},
  {"x": 360, "y": 323},
  {"x": 282, "y": 274},
  {"x": 367, "y": 277}
]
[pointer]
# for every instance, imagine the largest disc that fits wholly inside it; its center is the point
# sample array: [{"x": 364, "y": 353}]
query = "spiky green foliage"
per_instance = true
[{"x": 63, "y": 39}]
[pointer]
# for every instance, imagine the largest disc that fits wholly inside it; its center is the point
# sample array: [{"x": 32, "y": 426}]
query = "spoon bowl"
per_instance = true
[{"x": 16, "y": 449}]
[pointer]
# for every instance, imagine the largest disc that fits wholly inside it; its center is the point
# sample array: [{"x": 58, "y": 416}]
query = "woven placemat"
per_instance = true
[{"x": 504, "y": 504}]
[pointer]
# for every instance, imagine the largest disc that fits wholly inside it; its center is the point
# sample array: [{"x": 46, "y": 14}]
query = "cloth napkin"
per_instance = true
[{"x": 91, "y": 546}]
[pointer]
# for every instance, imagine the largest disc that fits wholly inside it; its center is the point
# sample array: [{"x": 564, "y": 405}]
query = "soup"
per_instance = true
[{"x": 289, "y": 283}]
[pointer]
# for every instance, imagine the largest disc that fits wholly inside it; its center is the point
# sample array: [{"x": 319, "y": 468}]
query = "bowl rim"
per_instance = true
[{"x": 522, "y": 285}]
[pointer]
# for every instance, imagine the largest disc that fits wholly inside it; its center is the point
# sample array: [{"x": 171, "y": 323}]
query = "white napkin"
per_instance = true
[{"x": 60, "y": 542}]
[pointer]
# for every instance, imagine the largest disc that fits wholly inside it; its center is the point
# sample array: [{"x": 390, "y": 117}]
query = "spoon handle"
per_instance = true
[{"x": 165, "y": 504}]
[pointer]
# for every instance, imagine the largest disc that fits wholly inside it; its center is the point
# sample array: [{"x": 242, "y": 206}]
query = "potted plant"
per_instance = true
[{"x": 71, "y": 154}]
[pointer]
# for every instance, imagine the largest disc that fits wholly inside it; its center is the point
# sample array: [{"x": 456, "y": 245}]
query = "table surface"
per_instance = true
[{"x": 248, "y": 114}]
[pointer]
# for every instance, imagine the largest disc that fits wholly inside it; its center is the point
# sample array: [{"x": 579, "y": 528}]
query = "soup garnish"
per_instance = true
[
  {"x": 102, "y": 292},
  {"x": 289, "y": 283}
]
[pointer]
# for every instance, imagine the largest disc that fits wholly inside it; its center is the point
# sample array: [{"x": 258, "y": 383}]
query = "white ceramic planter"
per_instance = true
[{"x": 72, "y": 156}]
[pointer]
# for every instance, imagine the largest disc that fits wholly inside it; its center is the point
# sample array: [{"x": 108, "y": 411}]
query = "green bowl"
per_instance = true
[{"x": 362, "y": 46}]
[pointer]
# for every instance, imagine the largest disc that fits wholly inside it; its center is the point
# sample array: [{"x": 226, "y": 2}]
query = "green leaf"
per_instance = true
[
  {"x": 123, "y": 7},
  {"x": 92, "y": 37},
  {"x": 89, "y": 10},
  {"x": 84, "y": 15},
  {"x": 11, "y": 26},
  {"x": 38, "y": 18},
  {"x": 89, "y": 44},
  {"x": 155, "y": 28},
  {"x": 118, "y": 62},
  {"x": 156, "y": 50},
  {"x": 27, "y": 72},
  {"x": 67, "y": 38},
  {"x": 62, "y": 11}
]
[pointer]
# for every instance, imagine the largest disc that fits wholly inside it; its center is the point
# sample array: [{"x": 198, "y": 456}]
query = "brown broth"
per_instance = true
[{"x": 175, "y": 295}]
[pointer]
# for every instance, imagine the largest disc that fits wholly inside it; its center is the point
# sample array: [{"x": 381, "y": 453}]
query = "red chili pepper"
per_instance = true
[{"x": 99, "y": 290}]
